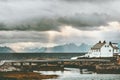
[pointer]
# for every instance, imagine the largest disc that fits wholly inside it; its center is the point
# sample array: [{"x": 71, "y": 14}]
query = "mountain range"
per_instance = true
[
  {"x": 66, "y": 48},
  {"x": 6, "y": 50}
]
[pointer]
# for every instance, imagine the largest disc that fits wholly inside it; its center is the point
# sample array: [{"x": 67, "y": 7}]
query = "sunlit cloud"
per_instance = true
[
  {"x": 52, "y": 35},
  {"x": 66, "y": 34},
  {"x": 68, "y": 31},
  {"x": 70, "y": 34},
  {"x": 46, "y": 23},
  {"x": 112, "y": 26}
]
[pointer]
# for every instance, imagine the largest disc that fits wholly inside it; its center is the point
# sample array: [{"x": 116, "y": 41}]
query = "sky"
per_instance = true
[{"x": 34, "y": 23}]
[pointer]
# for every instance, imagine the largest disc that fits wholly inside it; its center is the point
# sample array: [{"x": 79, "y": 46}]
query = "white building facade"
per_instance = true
[{"x": 103, "y": 49}]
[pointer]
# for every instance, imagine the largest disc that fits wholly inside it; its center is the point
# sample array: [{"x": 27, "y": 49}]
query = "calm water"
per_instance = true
[
  {"x": 74, "y": 74},
  {"x": 14, "y": 56}
]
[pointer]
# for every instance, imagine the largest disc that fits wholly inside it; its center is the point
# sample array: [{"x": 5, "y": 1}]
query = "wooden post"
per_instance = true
[
  {"x": 12, "y": 63},
  {"x": 81, "y": 71},
  {"x": 21, "y": 63},
  {"x": 80, "y": 67},
  {"x": 80, "y": 64},
  {"x": 30, "y": 63},
  {"x": 46, "y": 64},
  {"x": 118, "y": 61},
  {"x": 30, "y": 66},
  {"x": 62, "y": 64}
]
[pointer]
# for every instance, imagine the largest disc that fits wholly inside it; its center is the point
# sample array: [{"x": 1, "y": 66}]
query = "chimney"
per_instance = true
[
  {"x": 110, "y": 42},
  {"x": 99, "y": 41},
  {"x": 104, "y": 41}
]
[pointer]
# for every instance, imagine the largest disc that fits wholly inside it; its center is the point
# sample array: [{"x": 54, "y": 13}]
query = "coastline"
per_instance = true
[{"x": 24, "y": 76}]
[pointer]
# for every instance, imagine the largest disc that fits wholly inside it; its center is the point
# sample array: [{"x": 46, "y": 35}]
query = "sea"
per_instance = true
[
  {"x": 75, "y": 74},
  {"x": 18, "y": 56},
  {"x": 68, "y": 73}
]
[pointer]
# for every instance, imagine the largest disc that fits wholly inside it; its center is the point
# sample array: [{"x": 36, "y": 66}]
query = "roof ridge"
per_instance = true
[{"x": 98, "y": 45}]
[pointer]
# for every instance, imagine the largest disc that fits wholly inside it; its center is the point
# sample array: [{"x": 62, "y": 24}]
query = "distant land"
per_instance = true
[
  {"x": 6, "y": 50},
  {"x": 70, "y": 48},
  {"x": 66, "y": 48}
]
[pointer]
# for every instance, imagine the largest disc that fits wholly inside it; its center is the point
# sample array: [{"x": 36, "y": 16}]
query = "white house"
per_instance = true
[{"x": 103, "y": 49}]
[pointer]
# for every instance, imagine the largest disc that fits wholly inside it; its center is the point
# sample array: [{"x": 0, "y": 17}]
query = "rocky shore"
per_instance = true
[
  {"x": 24, "y": 76},
  {"x": 108, "y": 69}
]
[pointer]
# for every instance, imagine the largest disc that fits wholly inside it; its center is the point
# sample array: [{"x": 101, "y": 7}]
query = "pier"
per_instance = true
[
  {"x": 57, "y": 61},
  {"x": 57, "y": 64},
  {"x": 98, "y": 65}
]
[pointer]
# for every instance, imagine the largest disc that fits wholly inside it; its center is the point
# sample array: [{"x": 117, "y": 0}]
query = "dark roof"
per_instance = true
[
  {"x": 114, "y": 47},
  {"x": 98, "y": 46}
]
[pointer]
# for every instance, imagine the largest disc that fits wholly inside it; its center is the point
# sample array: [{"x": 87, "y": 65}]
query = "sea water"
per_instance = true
[{"x": 75, "y": 74}]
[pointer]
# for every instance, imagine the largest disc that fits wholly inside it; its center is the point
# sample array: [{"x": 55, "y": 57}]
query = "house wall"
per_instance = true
[
  {"x": 94, "y": 53},
  {"x": 106, "y": 51},
  {"x": 116, "y": 50}
]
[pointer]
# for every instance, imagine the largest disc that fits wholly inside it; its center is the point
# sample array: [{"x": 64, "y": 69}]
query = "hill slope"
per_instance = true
[{"x": 6, "y": 50}]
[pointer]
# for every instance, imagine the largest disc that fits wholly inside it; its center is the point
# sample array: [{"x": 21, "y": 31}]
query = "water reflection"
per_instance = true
[{"x": 75, "y": 74}]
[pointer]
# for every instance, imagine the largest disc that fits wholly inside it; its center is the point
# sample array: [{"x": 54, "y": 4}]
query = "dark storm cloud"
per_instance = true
[
  {"x": 42, "y": 15},
  {"x": 81, "y": 21},
  {"x": 22, "y": 36},
  {"x": 85, "y": 21}
]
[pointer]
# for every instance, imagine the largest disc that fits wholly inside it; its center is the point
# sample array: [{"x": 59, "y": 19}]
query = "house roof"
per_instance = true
[
  {"x": 114, "y": 47},
  {"x": 98, "y": 46}
]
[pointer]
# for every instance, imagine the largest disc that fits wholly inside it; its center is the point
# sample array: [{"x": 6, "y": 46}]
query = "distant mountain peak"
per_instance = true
[
  {"x": 65, "y": 48},
  {"x": 5, "y": 49}
]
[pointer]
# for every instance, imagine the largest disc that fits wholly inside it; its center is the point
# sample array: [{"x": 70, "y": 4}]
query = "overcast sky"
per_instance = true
[{"x": 59, "y": 21}]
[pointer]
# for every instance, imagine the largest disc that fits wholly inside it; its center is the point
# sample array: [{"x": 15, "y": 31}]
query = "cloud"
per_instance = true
[
  {"x": 80, "y": 21},
  {"x": 23, "y": 36},
  {"x": 112, "y": 26},
  {"x": 18, "y": 40},
  {"x": 59, "y": 21},
  {"x": 43, "y": 15},
  {"x": 88, "y": 1},
  {"x": 111, "y": 31}
]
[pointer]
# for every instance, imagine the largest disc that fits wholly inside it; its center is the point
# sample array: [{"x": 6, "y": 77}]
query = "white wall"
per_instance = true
[
  {"x": 94, "y": 53},
  {"x": 116, "y": 50},
  {"x": 106, "y": 51}
]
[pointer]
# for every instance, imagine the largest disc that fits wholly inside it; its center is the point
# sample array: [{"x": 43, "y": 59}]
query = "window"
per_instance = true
[
  {"x": 98, "y": 50},
  {"x": 116, "y": 50},
  {"x": 109, "y": 50}
]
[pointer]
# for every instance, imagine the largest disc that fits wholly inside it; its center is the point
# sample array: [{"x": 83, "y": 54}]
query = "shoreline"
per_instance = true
[
  {"x": 110, "y": 66},
  {"x": 24, "y": 76}
]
